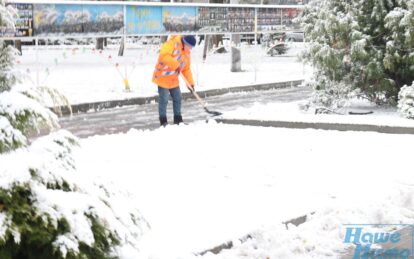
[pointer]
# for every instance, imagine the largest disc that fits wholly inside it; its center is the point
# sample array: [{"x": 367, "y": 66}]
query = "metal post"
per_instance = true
[
  {"x": 255, "y": 40},
  {"x": 37, "y": 61},
  {"x": 125, "y": 19},
  {"x": 255, "y": 24},
  {"x": 303, "y": 63},
  {"x": 281, "y": 17}
]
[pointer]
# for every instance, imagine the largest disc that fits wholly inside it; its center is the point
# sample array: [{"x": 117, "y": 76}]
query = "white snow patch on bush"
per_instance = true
[{"x": 406, "y": 101}]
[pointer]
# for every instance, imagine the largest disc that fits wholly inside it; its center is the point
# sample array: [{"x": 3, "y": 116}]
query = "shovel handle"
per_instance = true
[{"x": 192, "y": 90}]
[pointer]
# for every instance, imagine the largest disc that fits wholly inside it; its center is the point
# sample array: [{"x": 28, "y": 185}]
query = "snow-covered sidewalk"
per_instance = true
[{"x": 208, "y": 183}]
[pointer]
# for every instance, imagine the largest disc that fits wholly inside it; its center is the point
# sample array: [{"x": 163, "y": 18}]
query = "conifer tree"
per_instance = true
[
  {"x": 7, "y": 78},
  {"x": 359, "y": 48}
]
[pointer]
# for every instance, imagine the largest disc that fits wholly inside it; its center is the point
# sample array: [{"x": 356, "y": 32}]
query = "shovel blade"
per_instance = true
[{"x": 214, "y": 113}]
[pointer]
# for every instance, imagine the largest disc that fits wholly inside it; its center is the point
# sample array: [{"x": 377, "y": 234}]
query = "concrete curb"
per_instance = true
[
  {"x": 321, "y": 125},
  {"x": 228, "y": 245},
  {"x": 84, "y": 107}
]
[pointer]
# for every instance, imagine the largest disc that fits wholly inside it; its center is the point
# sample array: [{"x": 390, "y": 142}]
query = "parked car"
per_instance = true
[{"x": 295, "y": 36}]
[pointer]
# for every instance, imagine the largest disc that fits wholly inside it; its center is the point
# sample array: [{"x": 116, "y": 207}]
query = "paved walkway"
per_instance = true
[
  {"x": 122, "y": 119},
  {"x": 85, "y": 107}
]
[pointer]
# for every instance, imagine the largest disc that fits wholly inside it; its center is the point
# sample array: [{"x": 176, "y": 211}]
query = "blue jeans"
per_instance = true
[{"x": 163, "y": 95}]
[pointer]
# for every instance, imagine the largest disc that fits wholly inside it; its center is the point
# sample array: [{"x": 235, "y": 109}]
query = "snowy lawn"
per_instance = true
[
  {"x": 202, "y": 184},
  {"x": 85, "y": 75}
]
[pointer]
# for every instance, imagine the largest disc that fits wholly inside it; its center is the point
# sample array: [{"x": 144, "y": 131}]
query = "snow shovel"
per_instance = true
[{"x": 214, "y": 113}]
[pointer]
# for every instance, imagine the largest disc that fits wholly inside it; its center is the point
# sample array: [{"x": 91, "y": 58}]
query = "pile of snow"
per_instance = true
[{"x": 322, "y": 236}]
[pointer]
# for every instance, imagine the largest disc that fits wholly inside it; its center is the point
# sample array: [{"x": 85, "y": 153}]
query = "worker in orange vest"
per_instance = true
[{"x": 174, "y": 58}]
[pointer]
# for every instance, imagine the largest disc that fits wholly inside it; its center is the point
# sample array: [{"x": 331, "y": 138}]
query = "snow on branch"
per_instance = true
[
  {"x": 44, "y": 197},
  {"x": 26, "y": 114},
  {"x": 406, "y": 101}
]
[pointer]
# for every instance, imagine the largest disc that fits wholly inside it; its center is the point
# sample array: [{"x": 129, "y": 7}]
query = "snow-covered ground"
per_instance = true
[
  {"x": 84, "y": 74},
  {"x": 203, "y": 184}
]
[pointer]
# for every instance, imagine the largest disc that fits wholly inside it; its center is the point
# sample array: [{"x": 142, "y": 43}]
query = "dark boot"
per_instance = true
[
  {"x": 178, "y": 119},
  {"x": 163, "y": 121}
]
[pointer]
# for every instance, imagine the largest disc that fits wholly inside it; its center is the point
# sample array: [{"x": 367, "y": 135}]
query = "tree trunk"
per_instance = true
[
  {"x": 18, "y": 46},
  {"x": 235, "y": 54},
  {"x": 99, "y": 43},
  {"x": 205, "y": 50},
  {"x": 121, "y": 48},
  {"x": 164, "y": 39},
  {"x": 216, "y": 39}
]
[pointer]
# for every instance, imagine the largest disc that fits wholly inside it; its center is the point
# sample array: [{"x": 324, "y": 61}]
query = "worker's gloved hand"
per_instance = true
[
  {"x": 190, "y": 88},
  {"x": 178, "y": 70}
]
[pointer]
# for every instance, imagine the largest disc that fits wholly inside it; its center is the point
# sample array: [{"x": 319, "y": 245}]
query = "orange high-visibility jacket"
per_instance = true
[{"x": 172, "y": 56}]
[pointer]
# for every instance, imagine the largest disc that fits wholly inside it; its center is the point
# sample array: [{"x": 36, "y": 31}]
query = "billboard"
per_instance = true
[
  {"x": 144, "y": 19},
  {"x": 179, "y": 19},
  {"x": 23, "y": 23},
  {"x": 66, "y": 19},
  {"x": 59, "y": 18},
  {"x": 288, "y": 16},
  {"x": 103, "y": 19},
  {"x": 77, "y": 19},
  {"x": 212, "y": 19},
  {"x": 269, "y": 19},
  {"x": 241, "y": 19}
]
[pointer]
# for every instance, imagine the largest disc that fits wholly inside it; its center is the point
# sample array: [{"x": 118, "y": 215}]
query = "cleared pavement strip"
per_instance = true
[
  {"x": 320, "y": 125},
  {"x": 141, "y": 117},
  {"x": 85, "y": 107}
]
